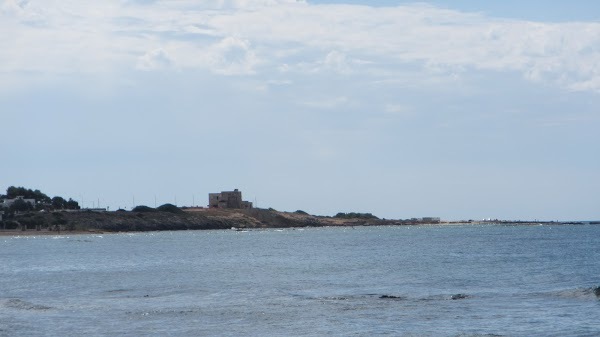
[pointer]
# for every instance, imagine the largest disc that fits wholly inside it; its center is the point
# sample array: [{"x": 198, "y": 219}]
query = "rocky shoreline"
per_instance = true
[
  {"x": 199, "y": 219},
  {"x": 89, "y": 221}
]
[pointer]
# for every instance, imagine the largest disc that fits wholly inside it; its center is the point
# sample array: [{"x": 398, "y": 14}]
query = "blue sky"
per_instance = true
[
  {"x": 457, "y": 109},
  {"x": 535, "y": 10}
]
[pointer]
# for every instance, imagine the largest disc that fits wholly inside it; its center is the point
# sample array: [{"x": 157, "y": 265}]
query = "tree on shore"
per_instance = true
[
  {"x": 12, "y": 192},
  {"x": 72, "y": 204},
  {"x": 59, "y": 203},
  {"x": 20, "y": 205},
  {"x": 42, "y": 201}
]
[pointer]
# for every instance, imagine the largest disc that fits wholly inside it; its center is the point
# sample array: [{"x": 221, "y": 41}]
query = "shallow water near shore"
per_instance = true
[{"x": 408, "y": 280}]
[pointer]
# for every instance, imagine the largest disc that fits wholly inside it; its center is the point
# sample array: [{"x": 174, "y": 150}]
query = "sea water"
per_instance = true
[{"x": 362, "y": 281}]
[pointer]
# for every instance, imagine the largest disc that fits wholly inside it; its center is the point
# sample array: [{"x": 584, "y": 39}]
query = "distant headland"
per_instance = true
[{"x": 26, "y": 211}]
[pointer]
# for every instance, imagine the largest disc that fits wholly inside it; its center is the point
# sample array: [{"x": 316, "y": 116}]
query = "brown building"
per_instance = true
[{"x": 228, "y": 199}]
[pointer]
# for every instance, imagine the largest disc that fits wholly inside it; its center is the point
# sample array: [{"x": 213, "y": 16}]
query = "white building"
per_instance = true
[{"x": 7, "y": 202}]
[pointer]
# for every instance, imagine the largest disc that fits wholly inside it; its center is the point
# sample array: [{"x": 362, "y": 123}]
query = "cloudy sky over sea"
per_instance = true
[{"x": 458, "y": 109}]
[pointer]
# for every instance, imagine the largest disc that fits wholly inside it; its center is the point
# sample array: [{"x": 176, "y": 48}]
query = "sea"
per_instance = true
[{"x": 463, "y": 280}]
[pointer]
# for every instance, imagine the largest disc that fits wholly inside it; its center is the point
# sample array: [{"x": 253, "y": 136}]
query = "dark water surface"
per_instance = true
[{"x": 434, "y": 280}]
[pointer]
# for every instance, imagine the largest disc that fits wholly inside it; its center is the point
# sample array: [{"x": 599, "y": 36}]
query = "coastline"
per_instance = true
[
  {"x": 16, "y": 233},
  {"x": 97, "y": 222},
  {"x": 43, "y": 232}
]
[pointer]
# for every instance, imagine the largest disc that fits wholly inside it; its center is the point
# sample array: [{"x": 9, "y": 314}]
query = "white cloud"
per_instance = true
[
  {"x": 398, "y": 110},
  {"x": 333, "y": 61},
  {"x": 327, "y": 103},
  {"x": 155, "y": 59},
  {"x": 337, "y": 61},
  {"x": 245, "y": 37},
  {"x": 12, "y": 7},
  {"x": 232, "y": 56}
]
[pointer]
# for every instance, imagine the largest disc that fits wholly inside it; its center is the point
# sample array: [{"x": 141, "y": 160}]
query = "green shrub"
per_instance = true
[
  {"x": 353, "y": 215},
  {"x": 169, "y": 208},
  {"x": 143, "y": 209}
]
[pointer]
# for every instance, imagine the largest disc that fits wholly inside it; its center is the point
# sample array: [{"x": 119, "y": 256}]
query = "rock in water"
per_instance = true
[
  {"x": 390, "y": 297},
  {"x": 459, "y": 297}
]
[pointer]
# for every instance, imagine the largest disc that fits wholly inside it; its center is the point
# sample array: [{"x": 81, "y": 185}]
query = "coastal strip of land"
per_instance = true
[{"x": 90, "y": 221}]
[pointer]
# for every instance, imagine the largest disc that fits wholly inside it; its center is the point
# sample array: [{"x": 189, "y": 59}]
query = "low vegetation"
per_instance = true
[
  {"x": 366, "y": 216},
  {"x": 143, "y": 209},
  {"x": 170, "y": 208}
]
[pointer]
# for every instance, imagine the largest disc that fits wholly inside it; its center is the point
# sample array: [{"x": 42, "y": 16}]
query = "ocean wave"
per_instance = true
[
  {"x": 15, "y": 303},
  {"x": 583, "y": 293},
  {"x": 390, "y": 297}
]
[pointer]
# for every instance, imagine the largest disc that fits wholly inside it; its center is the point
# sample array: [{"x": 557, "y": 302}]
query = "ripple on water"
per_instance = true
[{"x": 16, "y": 303}]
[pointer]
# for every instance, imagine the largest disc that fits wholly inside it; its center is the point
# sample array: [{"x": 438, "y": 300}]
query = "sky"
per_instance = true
[{"x": 458, "y": 109}]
